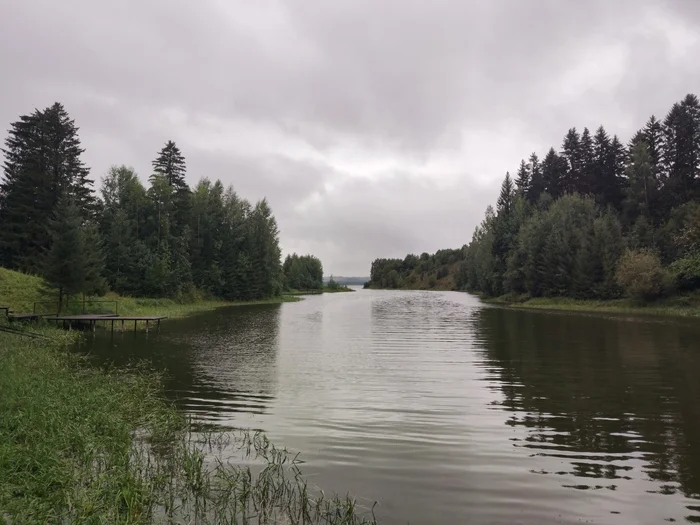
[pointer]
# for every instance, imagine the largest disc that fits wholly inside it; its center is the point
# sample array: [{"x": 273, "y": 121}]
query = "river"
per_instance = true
[{"x": 447, "y": 411}]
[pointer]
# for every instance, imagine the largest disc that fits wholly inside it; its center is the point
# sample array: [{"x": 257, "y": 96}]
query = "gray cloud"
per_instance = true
[{"x": 374, "y": 128}]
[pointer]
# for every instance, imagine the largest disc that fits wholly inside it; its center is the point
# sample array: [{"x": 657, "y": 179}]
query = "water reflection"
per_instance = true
[
  {"x": 447, "y": 411},
  {"x": 216, "y": 363},
  {"x": 602, "y": 399}
]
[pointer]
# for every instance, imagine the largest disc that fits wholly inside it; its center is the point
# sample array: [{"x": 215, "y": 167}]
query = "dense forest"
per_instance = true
[
  {"x": 164, "y": 239},
  {"x": 596, "y": 219},
  {"x": 415, "y": 272},
  {"x": 303, "y": 272}
]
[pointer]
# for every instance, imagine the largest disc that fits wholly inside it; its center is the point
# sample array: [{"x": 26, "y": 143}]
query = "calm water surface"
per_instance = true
[{"x": 447, "y": 411}]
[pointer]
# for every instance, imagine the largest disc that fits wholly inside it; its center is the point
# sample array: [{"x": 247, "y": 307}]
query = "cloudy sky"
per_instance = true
[{"x": 374, "y": 127}]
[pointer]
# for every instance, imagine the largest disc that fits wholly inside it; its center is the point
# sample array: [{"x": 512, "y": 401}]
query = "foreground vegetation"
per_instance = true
[
  {"x": 595, "y": 221},
  {"x": 86, "y": 445}
]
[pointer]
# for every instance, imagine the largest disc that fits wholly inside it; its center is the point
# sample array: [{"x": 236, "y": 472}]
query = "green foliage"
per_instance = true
[
  {"x": 165, "y": 240},
  {"x": 575, "y": 213},
  {"x": 80, "y": 444},
  {"x": 426, "y": 271},
  {"x": 332, "y": 284},
  {"x": 74, "y": 264},
  {"x": 641, "y": 275},
  {"x": 686, "y": 273},
  {"x": 303, "y": 272},
  {"x": 42, "y": 166}
]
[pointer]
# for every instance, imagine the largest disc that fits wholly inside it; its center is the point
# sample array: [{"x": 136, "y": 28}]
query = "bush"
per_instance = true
[
  {"x": 641, "y": 275},
  {"x": 686, "y": 273}
]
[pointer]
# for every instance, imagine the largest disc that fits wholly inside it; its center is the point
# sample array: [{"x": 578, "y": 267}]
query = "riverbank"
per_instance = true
[
  {"x": 80, "y": 443},
  {"x": 21, "y": 291},
  {"x": 679, "y": 306}
]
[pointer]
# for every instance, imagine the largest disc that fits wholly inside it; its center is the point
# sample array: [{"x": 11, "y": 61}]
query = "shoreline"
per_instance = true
[
  {"x": 175, "y": 310},
  {"x": 678, "y": 306},
  {"x": 112, "y": 446}
]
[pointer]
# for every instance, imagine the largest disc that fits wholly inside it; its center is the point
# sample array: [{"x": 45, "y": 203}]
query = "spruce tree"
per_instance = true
[
  {"x": 653, "y": 136},
  {"x": 536, "y": 188},
  {"x": 522, "y": 180},
  {"x": 171, "y": 164},
  {"x": 74, "y": 263},
  {"x": 681, "y": 150},
  {"x": 585, "y": 181},
  {"x": 601, "y": 158},
  {"x": 571, "y": 152},
  {"x": 265, "y": 252},
  {"x": 507, "y": 196},
  {"x": 42, "y": 165},
  {"x": 554, "y": 173}
]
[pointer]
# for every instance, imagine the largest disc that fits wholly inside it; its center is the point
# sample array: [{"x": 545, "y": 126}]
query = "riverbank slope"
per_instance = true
[{"x": 20, "y": 292}]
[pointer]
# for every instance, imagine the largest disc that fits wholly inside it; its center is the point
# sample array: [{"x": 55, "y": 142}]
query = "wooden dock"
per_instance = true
[{"x": 108, "y": 320}]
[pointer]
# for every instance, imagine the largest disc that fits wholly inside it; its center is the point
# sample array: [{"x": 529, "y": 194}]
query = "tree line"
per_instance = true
[
  {"x": 594, "y": 219},
  {"x": 597, "y": 219},
  {"x": 163, "y": 239},
  {"x": 419, "y": 272},
  {"x": 303, "y": 272}
]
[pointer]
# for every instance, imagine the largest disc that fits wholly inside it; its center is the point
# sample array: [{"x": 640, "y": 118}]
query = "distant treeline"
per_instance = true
[
  {"x": 303, "y": 272},
  {"x": 596, "y": 219},
  {"x": 416, "y": 272},
  {"x": 347, "y": 281},
  {"x": 164, "y": 239}
]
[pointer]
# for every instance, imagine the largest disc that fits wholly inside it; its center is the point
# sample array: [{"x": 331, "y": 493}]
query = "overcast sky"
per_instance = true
[{"x": 375, "y": 128}]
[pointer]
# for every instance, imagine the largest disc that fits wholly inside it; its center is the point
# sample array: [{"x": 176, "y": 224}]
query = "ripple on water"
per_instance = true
[{"x": 447, "y": 411}]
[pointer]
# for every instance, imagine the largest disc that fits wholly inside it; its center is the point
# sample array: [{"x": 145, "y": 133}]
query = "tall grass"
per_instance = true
[{"x": 80, "y": 444}]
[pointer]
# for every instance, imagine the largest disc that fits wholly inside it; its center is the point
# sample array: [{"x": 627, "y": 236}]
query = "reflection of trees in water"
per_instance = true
[
  {"x": 214, "y": 363},
  {"x": 234, "y": 354},
  {"x": 601, "y": 393}
]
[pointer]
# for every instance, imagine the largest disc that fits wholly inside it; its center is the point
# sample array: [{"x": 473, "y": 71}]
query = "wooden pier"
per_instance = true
[{"x": 108, "y": 320}]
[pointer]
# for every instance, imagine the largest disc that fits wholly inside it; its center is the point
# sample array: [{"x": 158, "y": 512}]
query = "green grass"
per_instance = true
[
  {"x": 20, "y": 291},
  {"x": 687, "y": 305},
  {"x": 80, "y": 444},
  {"x": 173, "y": 309}
]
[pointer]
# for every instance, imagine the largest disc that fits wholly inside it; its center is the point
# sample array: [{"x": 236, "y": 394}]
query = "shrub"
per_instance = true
[
  {"x": 640, "y": 275},
  {"x": 686, "y": 273}
]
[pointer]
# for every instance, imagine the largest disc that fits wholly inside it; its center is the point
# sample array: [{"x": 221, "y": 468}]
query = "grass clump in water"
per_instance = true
[{"x": 85, "y": 445}]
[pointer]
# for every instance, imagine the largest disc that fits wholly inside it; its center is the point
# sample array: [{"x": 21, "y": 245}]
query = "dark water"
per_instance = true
[{"x": 446, "y": 411}]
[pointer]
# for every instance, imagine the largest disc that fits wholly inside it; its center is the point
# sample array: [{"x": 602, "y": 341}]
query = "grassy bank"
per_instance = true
[
  {"x": 682, "y": 305},
  {"x": 80, "y": 444},
  {"x": 21, "y": 291}
]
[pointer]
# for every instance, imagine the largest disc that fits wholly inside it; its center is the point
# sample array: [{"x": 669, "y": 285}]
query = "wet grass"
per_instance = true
[
  {"x": 80, "y": 444},
  {"x": 687, "y": 305}
]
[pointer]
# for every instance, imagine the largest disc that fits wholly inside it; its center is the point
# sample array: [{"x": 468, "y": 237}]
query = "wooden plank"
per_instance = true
[{"x": 105, "y": 318}]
